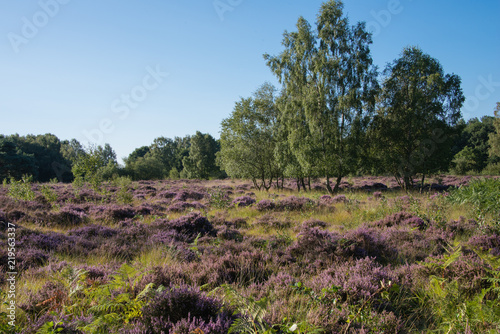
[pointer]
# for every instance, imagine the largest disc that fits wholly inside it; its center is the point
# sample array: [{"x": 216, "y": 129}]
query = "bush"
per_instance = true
[
  {"x": 191, "y": 226},
  {"x": 265, "y": 205},
  {"x": 243, "y": 201},
  {"x": 484, "y": 196},
  {"x": 21, "y": 190},
  {"x": 180, "y": 309}
]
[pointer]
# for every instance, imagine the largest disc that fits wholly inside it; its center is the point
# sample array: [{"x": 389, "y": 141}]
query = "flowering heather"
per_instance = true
[
  {"x": 270, "y": 220},
  {"x": 30, "y": 258},
  {"x": 400, "y": 218},
  {"x": 69, "y": 215},
  {"x": 183, "y": 206},
  {"x": 166, "y": 194},
  {"x": 242, "y": 268},
  {"x": 266, "y": 205},
  {"x": 363, "y": 242},
  {"x": 185, "y": 195},
  {"x": 94, "y": 231},
  {"x": 88, "y": 195},
  {"x": 314, "y": 244},
  {"x": 360, "y": 279},
  {"x": 294, "y": 203},
  {"x": 191, "y": 225},
  {"x": 486, "y": 243},
  {"x": 226, "y": 233},
  {"x": 243, "y": 201},
  {"x": 310, "y": 223},
  {"x": 340, "y": 199},
  {"x": 184, "y": 306},
  {"x": 326, "y": 200},
  {"x": 112, "y": 212}
]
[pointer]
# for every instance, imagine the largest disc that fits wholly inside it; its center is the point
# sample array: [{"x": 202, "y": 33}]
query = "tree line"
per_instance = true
[
  {"x": 334, "y": 115},
  {"x": 47, "y": 158}
]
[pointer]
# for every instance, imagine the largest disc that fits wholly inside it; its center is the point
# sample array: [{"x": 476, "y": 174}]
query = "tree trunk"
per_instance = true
[
  {"x": 303, "y": 184},
  {"x": 422, "y": 184},
  {"x": 337, "y": 184},
  {"x": 328, "y": 186}
]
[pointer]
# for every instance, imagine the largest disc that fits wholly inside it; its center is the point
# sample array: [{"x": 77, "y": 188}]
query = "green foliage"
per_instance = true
[
  {"x": 482, "y": 196},
  {"x": 48, "y": 193},
  {"x": 200, "y": 164},
  {"x": 51, "y": 327},
  {"x": 95, "y": 166},
  {"x": 5, "y": 327},
  {"x": 419, "y": 105},
  {"x": 123, "y": 195},
  {"x": 248, "y": 139},
  {"x": 21, "y": 190},
  {"x": 174, "y": 174},
  {"x": 492, "y": 169},
  {"x": 329, "y": 87},
  {"x": 14, "y": 161},
  {"x": 494, "y": 140},
  {"x": 252, "y": 313},
  {"x": 453, "y": 310},
  {"x": 218, "y": 199},
  {"x": 116, "y": 302},
  {"x": 465, "y": 161},
  {"x": 146, "y": 168}
]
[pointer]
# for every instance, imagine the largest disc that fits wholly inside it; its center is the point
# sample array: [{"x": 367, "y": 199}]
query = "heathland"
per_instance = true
[{"x": 190, "y": 256}]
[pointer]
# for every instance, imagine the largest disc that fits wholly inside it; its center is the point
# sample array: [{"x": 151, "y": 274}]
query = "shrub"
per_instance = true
[
  {"x": 340, "y": 199},
  {"x": 191, "y": 226},
  {"x": 183, "y": 307},
  {"x": 218, "y": 198},
  {"x": 112, "y": 212},
  {"x": 69, "y": 215},
  {"x": 266, "y": 205},
  {"x": 243, "y": 201},
  {"x": 482, "y": 194},
  {"x": 294, "y": 203},
  {"x": 21, "y": 190},
  {"x": 182, "y": 206}
]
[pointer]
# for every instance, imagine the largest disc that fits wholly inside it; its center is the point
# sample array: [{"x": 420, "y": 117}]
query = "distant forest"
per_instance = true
[
  {"x": 47, "y": 158},
  {"x": 334, "y": 115}
]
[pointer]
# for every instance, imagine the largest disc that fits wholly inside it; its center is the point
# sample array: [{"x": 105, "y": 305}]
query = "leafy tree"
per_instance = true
[
  {"x": 248, "y": 139},
  {"x": 475, "y": 134},
  {"x": 464, "y": 161},
  {"x": 164, "y": 149},
  {"x": 15, "y": 163},
  {"x": 136, "y": 154},
  {"x": 96, "y": 165},
  {"x": 200, "y": 164},
  {"x": 182, "y": 145},
  {"x": 107, "y": 154},
  {"x": 46, "y": 150},
  {"x": 494, "y": 137},
  {"x": 330, "y": 83},
  {"x": 147, "y": 167},
  {"x": 419, "y": 105},
  {"x": 71, "y": 150}
]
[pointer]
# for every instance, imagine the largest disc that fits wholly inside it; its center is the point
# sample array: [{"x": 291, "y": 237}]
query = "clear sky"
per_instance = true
[{"x": 126, "y": 72}]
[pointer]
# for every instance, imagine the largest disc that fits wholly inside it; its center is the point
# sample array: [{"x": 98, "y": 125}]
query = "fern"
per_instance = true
[
  {"x": 252, "y": 311},
  {"x": 451, "y": 309},
  {"x": 112, "y": 309},
  {"x": 51, "y": 328}
]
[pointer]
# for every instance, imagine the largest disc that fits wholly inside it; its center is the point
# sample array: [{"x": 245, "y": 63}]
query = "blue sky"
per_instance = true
[{"x": 126, "y": 72}]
